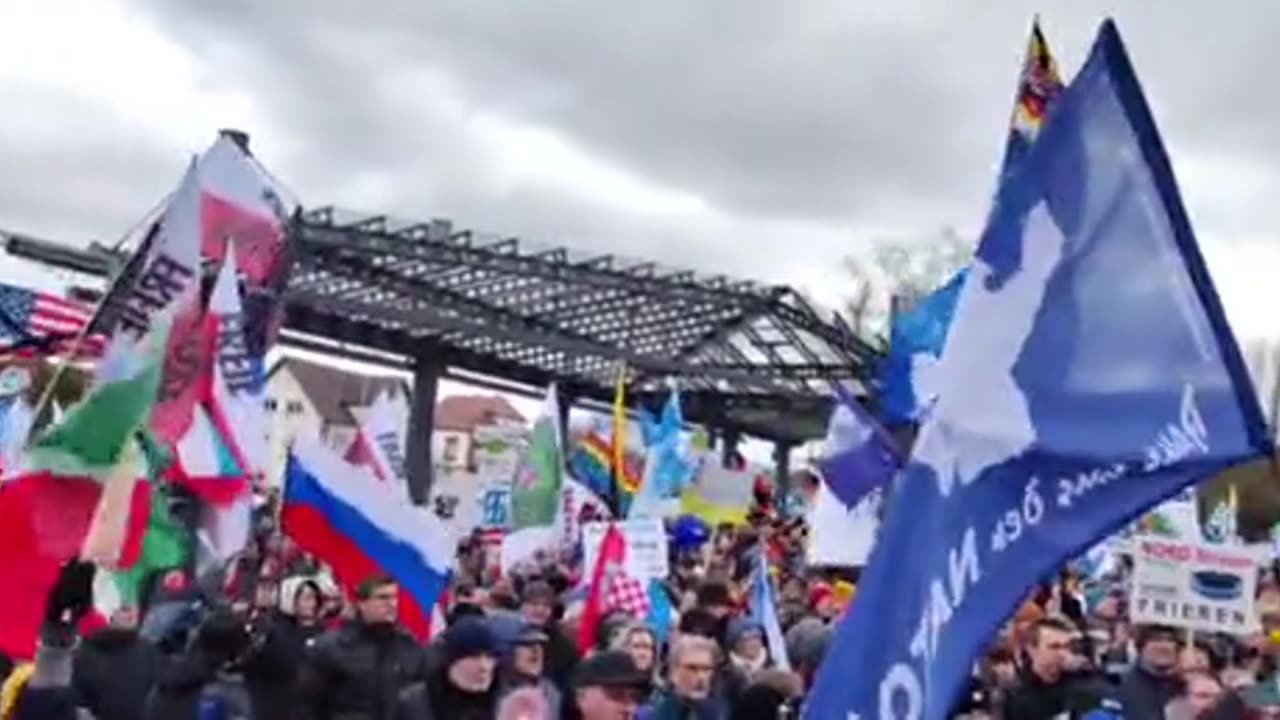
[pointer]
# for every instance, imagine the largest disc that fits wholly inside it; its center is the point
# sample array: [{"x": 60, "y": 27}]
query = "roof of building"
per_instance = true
[
  {"x": 333, "y": 391},
  {"x": 464, "y": 413}
]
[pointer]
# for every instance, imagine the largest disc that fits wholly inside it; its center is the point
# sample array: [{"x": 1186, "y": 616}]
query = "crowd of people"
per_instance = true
[
  {"x": 273, "y": 637},
  {"x": 1072, "y": 651}
]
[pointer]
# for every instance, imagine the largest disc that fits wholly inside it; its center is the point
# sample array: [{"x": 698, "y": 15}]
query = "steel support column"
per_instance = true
[
  {"x": 564, "y": 403},
  {"x": 781, "y": 472},
  {"x": 418, "y": 465},
  {"x": 730, "y": 447}
]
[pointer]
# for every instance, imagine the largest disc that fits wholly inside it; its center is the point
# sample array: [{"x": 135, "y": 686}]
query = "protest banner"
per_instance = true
[
  {"x": 1206, "y": 588},
  {"x": 646, "y": 546}
]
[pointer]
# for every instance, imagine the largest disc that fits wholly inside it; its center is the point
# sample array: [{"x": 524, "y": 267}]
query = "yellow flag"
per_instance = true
[{"x": 619, "y": 460}]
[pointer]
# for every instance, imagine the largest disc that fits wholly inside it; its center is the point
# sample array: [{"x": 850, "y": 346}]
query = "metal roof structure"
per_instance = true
[{"x": 751, "y": 358}]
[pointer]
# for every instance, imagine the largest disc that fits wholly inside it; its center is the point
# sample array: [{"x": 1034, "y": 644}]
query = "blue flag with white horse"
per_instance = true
[{"x": 1089, "y": 373}]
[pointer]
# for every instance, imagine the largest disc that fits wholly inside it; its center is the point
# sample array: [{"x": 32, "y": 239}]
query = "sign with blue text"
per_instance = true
[{"x": 1089, "y": 374}]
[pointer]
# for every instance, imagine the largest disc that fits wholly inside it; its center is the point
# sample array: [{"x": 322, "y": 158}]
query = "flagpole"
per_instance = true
[{"x": 47, "y": 394}]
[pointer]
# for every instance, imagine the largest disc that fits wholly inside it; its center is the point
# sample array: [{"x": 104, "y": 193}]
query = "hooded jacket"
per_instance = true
[{"x": 271, "y": 672}]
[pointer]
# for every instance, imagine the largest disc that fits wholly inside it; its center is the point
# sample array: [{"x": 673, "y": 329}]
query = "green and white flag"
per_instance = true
[{"x": 535, "y": 495}]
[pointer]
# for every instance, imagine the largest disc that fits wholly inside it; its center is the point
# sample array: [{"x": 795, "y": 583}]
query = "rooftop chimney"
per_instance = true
[{"x": 239, "y": 137}]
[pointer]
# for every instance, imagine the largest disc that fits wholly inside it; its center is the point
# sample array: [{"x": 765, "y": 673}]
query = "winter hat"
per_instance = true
[
  {"x": 740, "y": 628},
  {"x": 506, "y": 627},
  {"x": 472, "y": 636},
  {"x": 819, "y": 592},
  {"x": 759, "y": 702},
  {"x": 538, "y": 591},
  {"x": 807, "y": 642}
]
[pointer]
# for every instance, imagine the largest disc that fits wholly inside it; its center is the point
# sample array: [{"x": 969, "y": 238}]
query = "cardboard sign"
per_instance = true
[
  {"x": 1207, "y": 588},
  {"x": 646, "y": 546}
]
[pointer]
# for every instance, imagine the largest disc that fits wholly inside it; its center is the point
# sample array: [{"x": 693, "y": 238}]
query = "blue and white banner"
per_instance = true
[{"x": 1088, "y": 375}]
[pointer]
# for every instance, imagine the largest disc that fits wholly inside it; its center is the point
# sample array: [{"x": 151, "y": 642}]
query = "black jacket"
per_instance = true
[
  {"x": 188, "y": 677},
  {"x": 357, "y": 672},
  {"x": 1145, "y": 695},
  {"x": 562, "y": 656},
  {"x": 1073, "y": 695},
  {"x": 271, "y": 672},
  {"x": 439, "y": 699},
  {"x": 114, "y": 670}
]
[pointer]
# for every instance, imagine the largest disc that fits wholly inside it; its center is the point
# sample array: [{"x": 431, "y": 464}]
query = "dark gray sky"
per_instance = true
[{"x": 765, "y": 139}]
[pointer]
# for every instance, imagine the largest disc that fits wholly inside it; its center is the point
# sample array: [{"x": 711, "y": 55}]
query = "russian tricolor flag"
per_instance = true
[{"x": 343, "y": 515}]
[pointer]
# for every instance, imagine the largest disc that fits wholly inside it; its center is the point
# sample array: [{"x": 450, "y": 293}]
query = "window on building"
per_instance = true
[
  {"x": 452, "y": 450},
  {"x": 293, "y": 407},
  {"x": 270, "y": 404}
]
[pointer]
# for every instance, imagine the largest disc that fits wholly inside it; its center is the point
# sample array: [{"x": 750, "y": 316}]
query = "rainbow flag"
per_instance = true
[{"x": 591, "y": 462}]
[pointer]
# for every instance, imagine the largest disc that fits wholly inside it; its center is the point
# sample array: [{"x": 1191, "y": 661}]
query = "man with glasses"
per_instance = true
[
  {"x": 360, "y": 669},
  {"x": 609, "y": 686},
  {"x": 690, "y": 694}
]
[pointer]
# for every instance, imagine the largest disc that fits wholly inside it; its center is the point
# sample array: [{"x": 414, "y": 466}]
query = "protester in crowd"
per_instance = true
[
  {"x": 115, "y": 668},
  {"x": 1045, "y": 689},
  {"x": 1200, "y": 694},
  {"x": 465, "y": 685},
  {"x": 1153, "y": 681},
  {"x": 690, "y": 693},
  {"x": 527, "y": 703},
  {"x": 524, "y": 665},
  {"x": 360, "y": 669},
  {"x": 747, "y": 651},
  {"x": 641, "y": 643},
  {"x": 607, "y": 686},
  {"x": 272, "y": 670},
  {"x": 208, "y": 676},
  {"x": 42, "y": 690},
  {"x": 772, "y": 694},
  {"x": 538, "y": 604},
  {"x": 807, "y": 642}
]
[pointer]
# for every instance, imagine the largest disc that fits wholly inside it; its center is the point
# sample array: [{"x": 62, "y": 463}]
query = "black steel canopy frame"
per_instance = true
[{"x": 751, "y": 359}]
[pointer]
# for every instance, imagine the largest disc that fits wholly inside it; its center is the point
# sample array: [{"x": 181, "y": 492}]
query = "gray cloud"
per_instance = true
[
  {"x": 763, "y": 108},
  {"x": 806, "y": 128}
]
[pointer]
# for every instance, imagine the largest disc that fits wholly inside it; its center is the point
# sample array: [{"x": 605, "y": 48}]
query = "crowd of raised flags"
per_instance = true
[{"x": 1055, "y": 400}]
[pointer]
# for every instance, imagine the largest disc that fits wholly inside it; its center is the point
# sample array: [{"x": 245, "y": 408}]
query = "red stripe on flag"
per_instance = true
[{"x": 350, "y": 565}]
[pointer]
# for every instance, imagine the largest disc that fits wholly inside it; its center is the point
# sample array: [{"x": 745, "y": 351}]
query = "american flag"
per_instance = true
[{"x": 34, "y": 323}]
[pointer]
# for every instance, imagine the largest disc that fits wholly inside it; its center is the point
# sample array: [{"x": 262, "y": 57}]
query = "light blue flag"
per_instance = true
[
  {"x": 916, "y": 339},
  {"x": 1089, "y": 374},
  {"x": 661, "y": 613},
  {"x": 667, "y": 465},
  {"x": 764, "y": 611}
]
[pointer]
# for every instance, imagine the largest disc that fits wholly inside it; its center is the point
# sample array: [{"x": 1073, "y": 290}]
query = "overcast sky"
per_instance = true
[{"x": 764, "y": 139}]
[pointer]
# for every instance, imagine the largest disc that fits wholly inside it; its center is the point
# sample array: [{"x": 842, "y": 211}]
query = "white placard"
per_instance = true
[
  {"x": 839, "y": 536},
  {"x": 646, "y": 546},
  {"x": 1207, "y": 588}
]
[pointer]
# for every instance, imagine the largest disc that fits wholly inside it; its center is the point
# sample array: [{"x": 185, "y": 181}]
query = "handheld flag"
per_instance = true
[
  {"x": 1088, "y": 375},
  {"x": 917, "y": 335},
  {"x": 535, "y": 495},
  {"x": 765, "y": 611},
  {"x": 618, "y": 456},
  {"x": 347, "y": 519},
  {"x": 1038, "y": 87},
  {"x": 666, "y": 467},
  {"x": 860, "y": 455}
]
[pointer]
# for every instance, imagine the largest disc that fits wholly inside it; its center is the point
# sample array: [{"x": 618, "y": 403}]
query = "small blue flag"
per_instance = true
[
  {"x": 764, "y": 611},
  {"x": 916, "y": 339},
  {"x": 861, "y": 455},
  {"x": 1089, "y": 374}
]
